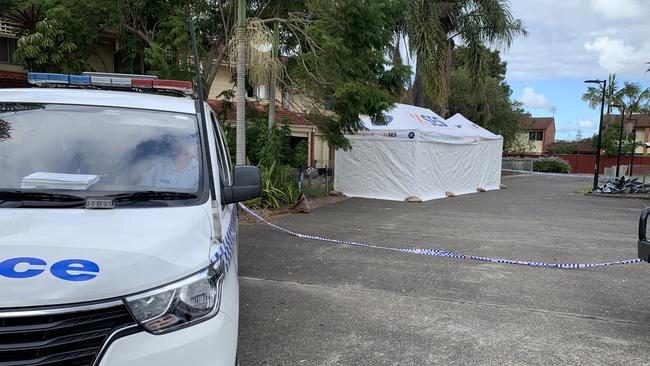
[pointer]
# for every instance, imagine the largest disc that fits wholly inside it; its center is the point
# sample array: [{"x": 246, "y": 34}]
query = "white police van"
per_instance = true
[{"x": 118, "y": 225}]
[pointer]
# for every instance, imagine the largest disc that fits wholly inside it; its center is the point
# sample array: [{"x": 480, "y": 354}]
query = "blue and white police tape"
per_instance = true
[
  {"x": 435, "y": 252},
  {"x": 528, "y": 172},
  {"x": 550, "y": 174}
]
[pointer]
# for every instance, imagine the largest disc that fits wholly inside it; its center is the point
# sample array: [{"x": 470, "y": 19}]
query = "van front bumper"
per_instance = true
[
  {"x": 643, "y": 243},
  {"x": 644, "y": 250},
  {"x": 210, "y": 343}
]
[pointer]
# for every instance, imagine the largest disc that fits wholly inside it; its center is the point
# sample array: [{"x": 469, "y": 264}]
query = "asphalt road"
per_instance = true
[{"x": 310, "y": 303}]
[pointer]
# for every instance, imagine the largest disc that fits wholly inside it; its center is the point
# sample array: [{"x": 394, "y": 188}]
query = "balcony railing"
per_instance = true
[{"x": 7, "y": 28}]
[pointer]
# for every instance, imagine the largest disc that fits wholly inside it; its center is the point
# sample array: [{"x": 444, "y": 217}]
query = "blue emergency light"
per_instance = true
[
  {"x": 79, "y": 80},
  {"x": 111, "y": 81},
  {"x": 47, "y": 78}
]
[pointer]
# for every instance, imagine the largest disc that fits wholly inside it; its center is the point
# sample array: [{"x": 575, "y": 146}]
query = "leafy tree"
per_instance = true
[
  {"x": 350, "y": 71},
  {"x": 519, "y": 146},
  {"x": 60, "y": 35},
  {"x": 609, "y": 142},
  {"x": 490, "y": 107},
  {"x": 434, "y": 28},
  {"x": 49, "y": 49}
]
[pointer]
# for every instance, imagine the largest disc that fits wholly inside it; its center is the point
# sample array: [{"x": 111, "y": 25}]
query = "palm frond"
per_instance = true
[
  {"x": 488, "y": 21},
  {"x": 25, "y": 18},
  {"x": 428, "y": 43},
  {"x": 593, "y": 96}
]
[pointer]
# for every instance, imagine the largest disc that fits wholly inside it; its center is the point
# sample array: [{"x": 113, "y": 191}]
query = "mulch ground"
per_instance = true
[{"x": 270, "y": 215}]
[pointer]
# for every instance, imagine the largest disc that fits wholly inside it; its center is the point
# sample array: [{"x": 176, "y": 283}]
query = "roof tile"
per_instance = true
[
  {"x": 281, "y": 113},
  {"x": 536, "y": 123}
]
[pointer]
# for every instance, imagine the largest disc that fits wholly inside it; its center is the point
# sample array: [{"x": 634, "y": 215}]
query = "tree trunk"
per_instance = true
[
  {"x": 272, "y": 82},
  {"x": 443, "y": 106},
  {"x": 417, "y": 92},
  {"x": 240, "y": 138},
  {"x": 397, "y": 55},
  {"x": 272, "y": 101}
]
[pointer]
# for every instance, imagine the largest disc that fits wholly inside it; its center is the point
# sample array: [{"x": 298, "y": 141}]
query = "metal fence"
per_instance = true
[
  {"x": 524, "y": 164},
  {"x": 641, "y": 172},
  {"x": 316, "y": 182}
]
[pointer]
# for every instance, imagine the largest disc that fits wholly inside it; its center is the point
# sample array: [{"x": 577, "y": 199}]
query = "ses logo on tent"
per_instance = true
[{"x": 429, "y": 120}]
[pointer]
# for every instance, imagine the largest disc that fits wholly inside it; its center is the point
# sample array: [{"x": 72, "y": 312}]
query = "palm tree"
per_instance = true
[
  {"x": 274, "y": 74},
  {"x": 593, "y": 96},
  {"x": 25, "y": 18},
  {"x": 434, "y": 27},
  {"x": 634, "y": 98}
]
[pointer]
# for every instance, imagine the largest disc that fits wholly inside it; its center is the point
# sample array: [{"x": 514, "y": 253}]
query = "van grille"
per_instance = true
[{"x": 58, "y": 337}]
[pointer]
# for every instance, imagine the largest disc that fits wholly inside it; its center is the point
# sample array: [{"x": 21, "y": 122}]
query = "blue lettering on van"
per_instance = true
[{"x": 67, "y": 269}]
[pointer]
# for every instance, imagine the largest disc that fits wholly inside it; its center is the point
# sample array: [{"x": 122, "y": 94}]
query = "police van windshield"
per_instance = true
[{"x": 48, "y": 147}]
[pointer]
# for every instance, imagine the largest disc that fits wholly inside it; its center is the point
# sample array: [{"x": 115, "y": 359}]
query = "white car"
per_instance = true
[{"x": 118, "y": 225}]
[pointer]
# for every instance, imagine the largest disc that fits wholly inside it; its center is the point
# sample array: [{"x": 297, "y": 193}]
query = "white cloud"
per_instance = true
[
  {"x": 559, "y": 29},
  {"x": 585, "y": 124},
  {"x": 618, "y": 9},
  {"x": 614, "y": 55},
  {"x": 531, "y": 99}
]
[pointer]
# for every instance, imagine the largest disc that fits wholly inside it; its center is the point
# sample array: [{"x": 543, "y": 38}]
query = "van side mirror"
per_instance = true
[{"x": 247, "y": 184}]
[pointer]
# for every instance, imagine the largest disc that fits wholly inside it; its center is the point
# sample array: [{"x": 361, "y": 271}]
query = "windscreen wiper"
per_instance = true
[
  {"x": 46, "y": 199},
  {"x": 18, "y": 195},
  {"x": 152, "y": 196}
]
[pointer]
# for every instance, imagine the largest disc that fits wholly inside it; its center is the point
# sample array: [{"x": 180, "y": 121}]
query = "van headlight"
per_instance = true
[{"x": 179, "y": 304}]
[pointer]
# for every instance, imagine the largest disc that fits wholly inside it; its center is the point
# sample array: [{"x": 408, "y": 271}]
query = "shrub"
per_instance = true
[
  {"x": 264, "y": 146},
  {"x": 271, "y": 151},
  {"x": 277, "y": 187},
  {"x": 551, "y": 165}
]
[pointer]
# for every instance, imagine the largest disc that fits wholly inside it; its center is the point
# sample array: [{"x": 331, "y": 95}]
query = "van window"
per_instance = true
[{"x": 223, "y": 154}]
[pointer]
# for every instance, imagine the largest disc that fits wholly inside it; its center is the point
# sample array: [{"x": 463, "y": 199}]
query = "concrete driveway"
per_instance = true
[{"x": 310, "y": 303}]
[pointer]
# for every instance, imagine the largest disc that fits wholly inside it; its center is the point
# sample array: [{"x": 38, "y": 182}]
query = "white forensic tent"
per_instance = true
[{"x": 418, "y": 153}]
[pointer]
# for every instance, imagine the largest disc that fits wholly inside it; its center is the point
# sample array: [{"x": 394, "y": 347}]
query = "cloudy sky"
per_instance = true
[{"x": 570, "y": 41}]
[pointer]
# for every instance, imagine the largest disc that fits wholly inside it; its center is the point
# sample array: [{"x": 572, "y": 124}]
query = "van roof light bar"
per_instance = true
[
  {"x": 117, "y": 75},
  {"x": 112, "y": 81}
]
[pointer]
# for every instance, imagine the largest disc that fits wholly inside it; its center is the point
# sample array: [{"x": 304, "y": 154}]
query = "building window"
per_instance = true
[
  {"x": 258, "y": 91},
  {"x": 7, "y": 49},
  {"x": 536, "y": 136}
]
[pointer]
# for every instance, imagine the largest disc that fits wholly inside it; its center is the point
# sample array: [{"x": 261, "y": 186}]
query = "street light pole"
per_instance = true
[
  {"x": 603, "y": 85},
  {"x": 621, "y": 108},
  {"x": 636, "y": 121}
]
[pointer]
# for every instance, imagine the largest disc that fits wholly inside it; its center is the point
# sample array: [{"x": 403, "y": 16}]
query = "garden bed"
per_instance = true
[{"x": 271, "y": 214}]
